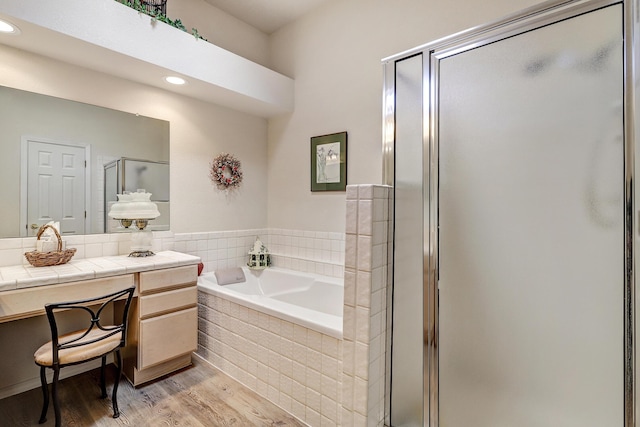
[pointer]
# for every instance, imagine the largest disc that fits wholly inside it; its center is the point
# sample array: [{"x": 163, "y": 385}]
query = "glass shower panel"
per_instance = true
[
  {"x": 150, "y": 176},
  {"x": 407, "y": 360},
  {"x": 531, "y": 228}
]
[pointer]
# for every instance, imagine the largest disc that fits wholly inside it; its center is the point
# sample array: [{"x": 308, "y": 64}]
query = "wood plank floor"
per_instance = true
[{"x": 197, "y": 396}]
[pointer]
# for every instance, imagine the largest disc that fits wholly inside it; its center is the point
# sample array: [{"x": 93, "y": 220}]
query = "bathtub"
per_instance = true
[{"x": 306, "y": 299}]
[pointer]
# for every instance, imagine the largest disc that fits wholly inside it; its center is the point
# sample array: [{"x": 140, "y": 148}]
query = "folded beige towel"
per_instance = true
[{"x": 228, "y": 276}]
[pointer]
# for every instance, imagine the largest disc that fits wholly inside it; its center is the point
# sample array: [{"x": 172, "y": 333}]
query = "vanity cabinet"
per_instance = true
[
  {"x": 163, "y": 325},
  {"x": 163, "y": 321}
]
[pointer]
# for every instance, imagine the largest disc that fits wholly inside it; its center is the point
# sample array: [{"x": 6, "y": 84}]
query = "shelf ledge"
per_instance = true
[{"x": 112, "y": 38}]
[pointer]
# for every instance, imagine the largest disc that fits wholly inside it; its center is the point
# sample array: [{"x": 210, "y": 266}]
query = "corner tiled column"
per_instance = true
[{"x": 364, "y": 328}]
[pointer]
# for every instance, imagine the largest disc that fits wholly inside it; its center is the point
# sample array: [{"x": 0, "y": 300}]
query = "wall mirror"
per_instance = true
[{"x": 64, "y": 161}]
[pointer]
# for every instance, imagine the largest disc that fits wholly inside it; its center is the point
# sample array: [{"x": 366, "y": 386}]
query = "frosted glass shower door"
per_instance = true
[{"x": 531, "y": 233}]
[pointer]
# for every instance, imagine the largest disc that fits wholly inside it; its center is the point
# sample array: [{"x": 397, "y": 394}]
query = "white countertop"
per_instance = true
[{"x": 27, "y": 276}]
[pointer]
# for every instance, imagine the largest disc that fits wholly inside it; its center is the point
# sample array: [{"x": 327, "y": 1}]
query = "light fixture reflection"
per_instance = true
[
  {"x": 174, "y": 80},
  {"x": 136, "y": 209},
  {"x": 7, "y": 28}
]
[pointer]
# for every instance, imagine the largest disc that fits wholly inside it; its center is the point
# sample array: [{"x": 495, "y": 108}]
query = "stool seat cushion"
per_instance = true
[{"x": 44, "y": 355}]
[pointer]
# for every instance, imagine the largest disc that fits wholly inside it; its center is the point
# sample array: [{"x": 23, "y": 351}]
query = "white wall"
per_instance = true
[
  {"x": 334, "y": 55},
  {"x": 221, "y": 29},
  {"x": 198, "y": 132}
]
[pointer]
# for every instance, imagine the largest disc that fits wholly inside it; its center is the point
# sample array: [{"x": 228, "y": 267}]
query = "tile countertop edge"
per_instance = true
[{"x": 27, "y": 276}]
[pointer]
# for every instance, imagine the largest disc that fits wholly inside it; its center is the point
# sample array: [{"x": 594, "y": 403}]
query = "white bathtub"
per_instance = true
[{"x": 306, "y": 299}]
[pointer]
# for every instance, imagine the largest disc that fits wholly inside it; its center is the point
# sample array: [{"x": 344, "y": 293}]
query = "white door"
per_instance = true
[
  {"x": 56, "y": 186},
  {"x": 531, "y": 228}
]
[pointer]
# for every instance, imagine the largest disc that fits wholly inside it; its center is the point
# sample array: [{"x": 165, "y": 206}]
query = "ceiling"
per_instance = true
[{"x": 266, "y": 15}]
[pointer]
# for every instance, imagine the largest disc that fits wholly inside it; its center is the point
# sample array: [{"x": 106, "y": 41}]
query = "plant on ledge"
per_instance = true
[{"x": 157, "y": 15}]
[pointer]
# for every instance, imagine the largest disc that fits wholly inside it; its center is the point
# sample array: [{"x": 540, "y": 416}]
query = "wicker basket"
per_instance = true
[{"x": 44, "y": 259}]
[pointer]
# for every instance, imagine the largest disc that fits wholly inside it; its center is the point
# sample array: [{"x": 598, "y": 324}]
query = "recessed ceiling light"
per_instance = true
[
  {"x": 7, "y": 28},
  {"x": 175, "y": 80}
]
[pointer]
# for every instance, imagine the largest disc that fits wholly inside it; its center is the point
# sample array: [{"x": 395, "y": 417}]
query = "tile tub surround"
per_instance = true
[
  {"x": 295, "y": 367},
  {"x": 291, "y": 365},
  {"x": 308, "y": 251}
]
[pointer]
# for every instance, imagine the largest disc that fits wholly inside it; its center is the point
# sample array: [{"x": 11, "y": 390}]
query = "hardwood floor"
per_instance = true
[{"x": 196, "y": 396}]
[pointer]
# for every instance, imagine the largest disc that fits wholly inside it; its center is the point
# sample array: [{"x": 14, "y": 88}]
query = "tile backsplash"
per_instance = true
[
  {"x": 87, "y": 246},
  {"x": 308, "y": 251}
]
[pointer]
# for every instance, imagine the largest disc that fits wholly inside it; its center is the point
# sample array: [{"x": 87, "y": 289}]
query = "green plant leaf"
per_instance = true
[{"x": 157, "y": 15}]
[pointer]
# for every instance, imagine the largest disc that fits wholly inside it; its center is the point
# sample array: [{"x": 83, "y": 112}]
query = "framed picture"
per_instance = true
[{"x": 329, "y": 162}]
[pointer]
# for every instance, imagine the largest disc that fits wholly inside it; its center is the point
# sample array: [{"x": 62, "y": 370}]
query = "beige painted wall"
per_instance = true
[
  {"x": 221, "y": 29},
  {"x": 198, "y": 132},
  {"x": 334, "y": 54}
]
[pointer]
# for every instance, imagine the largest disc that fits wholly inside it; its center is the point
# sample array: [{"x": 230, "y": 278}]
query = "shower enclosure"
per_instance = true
[{"x": 511, "y": 146}]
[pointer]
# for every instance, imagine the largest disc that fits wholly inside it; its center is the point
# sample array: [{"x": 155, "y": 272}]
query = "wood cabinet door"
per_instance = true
[{"x": 165, "y": 337}]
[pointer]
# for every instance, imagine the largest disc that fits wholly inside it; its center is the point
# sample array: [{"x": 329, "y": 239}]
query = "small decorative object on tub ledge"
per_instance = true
[
  {"x": 44, "y": 259},
  {"x": 259, "y": 257}
]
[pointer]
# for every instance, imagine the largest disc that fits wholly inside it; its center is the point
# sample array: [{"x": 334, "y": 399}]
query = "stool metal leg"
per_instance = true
[
  {"x": 54, "y": 392},
  {"x": 114, "y": 397},
  {"x": 103, "y": 385},
  {"x": 45, "y": 395}
]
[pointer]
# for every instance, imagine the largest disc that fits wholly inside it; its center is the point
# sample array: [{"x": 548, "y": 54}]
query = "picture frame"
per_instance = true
[{"x": 329, "y": 162}]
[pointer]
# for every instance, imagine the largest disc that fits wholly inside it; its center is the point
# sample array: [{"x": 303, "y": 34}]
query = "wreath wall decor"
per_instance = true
[{"x": 226, "y": 172}]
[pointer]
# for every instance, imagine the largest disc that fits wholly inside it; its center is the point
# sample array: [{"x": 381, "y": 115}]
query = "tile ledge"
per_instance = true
[{"x": 21, "y": 276}]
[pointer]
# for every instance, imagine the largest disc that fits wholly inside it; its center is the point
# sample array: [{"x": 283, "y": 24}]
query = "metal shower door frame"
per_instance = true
[{"x": 546, "y": 13}]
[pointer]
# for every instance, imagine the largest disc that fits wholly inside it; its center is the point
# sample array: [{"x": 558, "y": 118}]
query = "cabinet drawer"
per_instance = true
[
  {"x": 164, "y": 337},
  {"x": 168, "y": 301},
  {"x": 167, "y": 278},
  {"x": 29, "y": 302}
]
